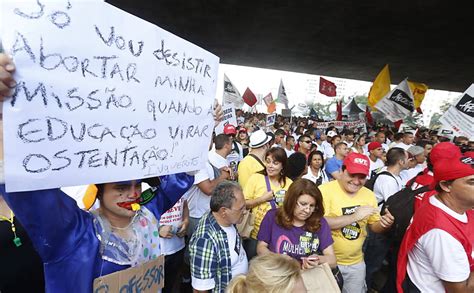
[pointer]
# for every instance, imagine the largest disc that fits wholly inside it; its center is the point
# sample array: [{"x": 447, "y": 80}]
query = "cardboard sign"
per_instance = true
[
  {"x": 229, "y": 118},
  {"x": 101, "y": 99},
  {"x": 286, "y": 113},
  {"x": 320, "y": 279},
  {"x": 460, "y": 117},
  {"x": 147, "y": 278}
]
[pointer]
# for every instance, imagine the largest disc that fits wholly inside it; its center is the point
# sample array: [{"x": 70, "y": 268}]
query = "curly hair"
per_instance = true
[{"x": 285, "y": 214}]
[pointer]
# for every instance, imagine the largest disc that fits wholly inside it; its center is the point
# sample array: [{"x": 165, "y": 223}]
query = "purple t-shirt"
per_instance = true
[{"x": 295, "y": 242}]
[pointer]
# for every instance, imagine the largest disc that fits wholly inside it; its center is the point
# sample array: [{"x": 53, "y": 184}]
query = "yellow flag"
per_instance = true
[
  {"x": 419, "y": 91},
  {"x": 380, "y": 87}
]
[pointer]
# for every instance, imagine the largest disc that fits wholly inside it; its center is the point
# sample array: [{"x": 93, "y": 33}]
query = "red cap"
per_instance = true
[
  {"x": 357, "y": 164},
  {"x": 374, "y": 145},
  {"x": 229, "y": 129},
  {"x": 449, "y": 163}
]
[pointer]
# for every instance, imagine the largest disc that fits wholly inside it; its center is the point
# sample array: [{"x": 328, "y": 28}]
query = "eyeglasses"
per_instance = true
[
  {"x": 238, "y": 210},
  {"x": 305, "y": 206}
]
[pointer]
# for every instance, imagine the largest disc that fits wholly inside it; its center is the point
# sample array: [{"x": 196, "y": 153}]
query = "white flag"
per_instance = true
[
  {"x": 459, "y": 119},
  {"x": 398, "y": 103},
  {"x": 282, "y": 98},
  {"x": 231, "y": 94}
]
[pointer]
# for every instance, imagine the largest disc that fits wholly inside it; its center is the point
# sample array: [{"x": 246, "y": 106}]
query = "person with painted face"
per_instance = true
[{"x": 77, "y": 246}]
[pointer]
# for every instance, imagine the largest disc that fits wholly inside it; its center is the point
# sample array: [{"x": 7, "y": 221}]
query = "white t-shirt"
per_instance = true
[
  {"x": 238, "y": 261},
  {"x": 198, "y": 201},
  {"x": 438, "y": 256},
  {"x": 217, "y": 160},
  {"x": 386, "y": 186},
  {"x": 375, "y": 166},
  {"x": 174, "y": 217},
  {"x": 289, "y": 153},
  {"x": 401, "y": 145},
  {"x": 406, "y": 175}
]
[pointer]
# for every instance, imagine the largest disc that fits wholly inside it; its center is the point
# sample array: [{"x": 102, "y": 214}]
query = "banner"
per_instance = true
[
  {"x": 229, "y": 117},
  {"x": 358, "y": 125},
  {"x": 327, "y": 87},
  {"x": 231, "y": 94},
  {"x": 398, "y": 104},
  {"x": 282, "y": 98},
  {"x": 460, "y": 117},
  {"x": 380, "y": 87},
  {"x": 101, "y": 99}
]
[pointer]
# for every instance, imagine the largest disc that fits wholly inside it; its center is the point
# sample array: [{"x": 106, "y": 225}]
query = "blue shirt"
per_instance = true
[{"x": 332, "y": 165}]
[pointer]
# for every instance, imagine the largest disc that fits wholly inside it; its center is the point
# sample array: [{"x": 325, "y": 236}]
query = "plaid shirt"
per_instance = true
[{"x": 210, "y": 255}]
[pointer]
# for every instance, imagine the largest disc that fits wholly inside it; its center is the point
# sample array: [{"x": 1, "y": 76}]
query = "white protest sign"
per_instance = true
[
  {"x": 460, "y": 117},
  {"x": 101, "y": 96},
  {"x": 147, "y": 278},
  {"x": 271, "y": 118},
  {"x": 229, "y": 118},
  {"x": 398, "y": 103}
]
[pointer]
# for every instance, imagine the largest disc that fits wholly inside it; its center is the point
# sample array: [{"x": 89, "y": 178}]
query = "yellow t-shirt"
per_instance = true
[
  {"x": 348, "y": 240},
  {"x": 255, "y": 188},
  {"x": 247, "y": 167}
]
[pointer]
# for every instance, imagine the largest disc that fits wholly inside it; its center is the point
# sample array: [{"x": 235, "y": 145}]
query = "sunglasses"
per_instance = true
[{"x": 307, "y": 141}]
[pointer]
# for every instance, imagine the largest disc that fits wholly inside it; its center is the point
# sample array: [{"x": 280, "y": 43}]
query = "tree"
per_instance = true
[
  {"x": 434, "y": 121},
  {"x": 323, "y": 111}
]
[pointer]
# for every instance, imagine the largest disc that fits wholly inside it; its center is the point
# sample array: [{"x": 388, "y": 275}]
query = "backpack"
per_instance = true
[
  {"x": 400, "y": 206},
  {"x": 371, "y": 182}
]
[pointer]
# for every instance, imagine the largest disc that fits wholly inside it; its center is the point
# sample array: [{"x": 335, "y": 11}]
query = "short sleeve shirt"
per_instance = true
[
  {"x": 332, "y": 165},
  {"x": 348, "y": 240},
  {"x": 295, "y": 242}
]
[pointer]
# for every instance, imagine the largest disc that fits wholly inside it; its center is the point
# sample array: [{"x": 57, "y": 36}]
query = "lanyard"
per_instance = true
[{"x": 16, "y": 239}]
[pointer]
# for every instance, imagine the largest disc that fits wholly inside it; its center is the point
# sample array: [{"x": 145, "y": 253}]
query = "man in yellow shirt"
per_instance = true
[
  {"x": 253, "y": 162},
  {"x": 349, "y": 209}
]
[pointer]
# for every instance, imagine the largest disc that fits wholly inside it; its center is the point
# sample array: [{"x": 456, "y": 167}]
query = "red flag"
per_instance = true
[
  {"x": 249, "y": 97},
  {"x": 339, "y": 111},
  {"x": 398, "y": 123},
  {"x": 327, "y": 87},
  {"x": 368, "y": 115}
]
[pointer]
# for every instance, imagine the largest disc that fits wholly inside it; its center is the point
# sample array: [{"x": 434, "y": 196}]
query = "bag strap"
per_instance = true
[
  {"x": 269, "y": 188},
  {"x": 258, "y": 160},
  {"x": 385, "y": 173}
]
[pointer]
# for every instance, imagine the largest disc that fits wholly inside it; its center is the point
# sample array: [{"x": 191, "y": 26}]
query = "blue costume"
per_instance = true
[{"x": 67, "y": 238}]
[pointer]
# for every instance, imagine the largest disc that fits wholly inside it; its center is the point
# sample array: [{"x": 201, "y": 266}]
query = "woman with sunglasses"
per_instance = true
[
  {"x": 316, "y": 171},
  {"x": 266, "y": 190},
  {"x": 298, "y": 228}
]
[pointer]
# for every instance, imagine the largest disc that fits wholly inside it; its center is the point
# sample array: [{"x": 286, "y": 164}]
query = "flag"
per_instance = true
[
  {"x": 398, "y": 103},
  {"x": 249, "y": 97},
  {"x": 282, "y": 98},
  {"x": 418, "y": 90},
  {"x": 380, "y": 87},
  {"x": 327, "y": 87},
  {"x": 339, "y": 110},
  {"x": 368, "y": 115},
  {"x": 231, "y": 94},
  {"x": 313, "y": 115},
  {"x": 398, "y": 124}
]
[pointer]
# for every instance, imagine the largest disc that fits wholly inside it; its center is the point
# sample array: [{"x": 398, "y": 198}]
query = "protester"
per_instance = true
[
  {"x": 271, "y": 272},
  {"x": 335, "y": 139},
  {"x": 316, "y": 172},
  {"x": 252, "y": 163},
  {"x": 289, "y": 145},
  {"x": 304, "y": 143},
  {"x": 298, "y": 228},
  {"x": 349, "y": 209},
  {"x": 334, "y": 164},
  {"x": 436, "y": 252},
  {"x": 359, "y": 143},
  {"x": 216, "y": 248},
  {"x": 375, "y": 155},
  {"x": 416, "y": 163},
  {"x": 266, "y": 190},
  {"x": 236, "y": 153},
  {"x": 279, "y": 138},
  {"x": 407, "y": 141},
  {"x": 296, "y": 166}
]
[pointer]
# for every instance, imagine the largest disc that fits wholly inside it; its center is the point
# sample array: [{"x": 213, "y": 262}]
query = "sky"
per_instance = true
[{"x": 304, "y": 88}]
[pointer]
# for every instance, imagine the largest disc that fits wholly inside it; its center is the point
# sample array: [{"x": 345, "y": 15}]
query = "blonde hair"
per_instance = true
[{"x": 273, "y": 273}]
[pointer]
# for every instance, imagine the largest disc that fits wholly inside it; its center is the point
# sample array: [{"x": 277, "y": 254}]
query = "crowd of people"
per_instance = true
[{"x": 310, "y": 196}]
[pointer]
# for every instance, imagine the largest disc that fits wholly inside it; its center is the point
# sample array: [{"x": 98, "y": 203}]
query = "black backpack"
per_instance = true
[
  {"x": 400, "y": 206},
  {"x": 371, "y": 182}
]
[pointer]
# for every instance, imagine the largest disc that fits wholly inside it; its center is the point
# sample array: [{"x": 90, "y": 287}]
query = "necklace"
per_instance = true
[{"x": 16, "y": 239}]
